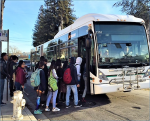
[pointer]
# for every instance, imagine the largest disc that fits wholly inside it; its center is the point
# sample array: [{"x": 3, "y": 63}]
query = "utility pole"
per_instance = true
[
  {"x": 0, "y": 25},
  {"x": 1, "y": 20},
  {"x": 8, "y": 55}
]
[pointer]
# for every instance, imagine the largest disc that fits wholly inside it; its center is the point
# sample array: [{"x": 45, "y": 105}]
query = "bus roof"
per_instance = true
[{"x": 86, "y": 19}]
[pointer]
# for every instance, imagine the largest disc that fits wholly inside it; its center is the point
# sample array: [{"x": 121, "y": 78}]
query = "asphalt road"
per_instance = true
[{"x": 112, "y": 106}]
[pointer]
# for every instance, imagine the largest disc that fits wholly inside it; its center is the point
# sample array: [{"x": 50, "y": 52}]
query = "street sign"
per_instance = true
[{"x": 3, "y": 35}]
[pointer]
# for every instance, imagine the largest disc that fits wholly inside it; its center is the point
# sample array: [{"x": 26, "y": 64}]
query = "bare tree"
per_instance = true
[{"x": 13, "y": 50}]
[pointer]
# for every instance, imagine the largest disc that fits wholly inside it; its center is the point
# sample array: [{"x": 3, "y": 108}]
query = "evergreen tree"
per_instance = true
[
  {"x": 55, "y": 13},
  {"x": 37, "y": 32},
  {"x": 138, "y": 8}
]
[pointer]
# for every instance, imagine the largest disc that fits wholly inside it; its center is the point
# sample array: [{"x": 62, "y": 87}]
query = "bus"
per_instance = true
[{"x": 116, "y": 49}]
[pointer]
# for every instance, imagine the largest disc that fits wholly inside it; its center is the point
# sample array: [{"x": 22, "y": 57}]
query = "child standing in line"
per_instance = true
[
  {"x": 41, "y": 88},
  {"x": 53, "y": 77},
  {"x": 78, "y": 66}
]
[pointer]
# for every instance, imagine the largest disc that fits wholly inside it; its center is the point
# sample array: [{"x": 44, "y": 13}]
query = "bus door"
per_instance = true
[{"x": 82, "y": 54}]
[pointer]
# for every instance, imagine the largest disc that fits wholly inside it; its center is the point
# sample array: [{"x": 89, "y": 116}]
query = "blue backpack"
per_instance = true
[{"x": 35, "y": 78}]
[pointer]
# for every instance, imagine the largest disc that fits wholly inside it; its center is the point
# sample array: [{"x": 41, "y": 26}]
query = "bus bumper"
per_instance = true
[{"x": 107, "y": 88}]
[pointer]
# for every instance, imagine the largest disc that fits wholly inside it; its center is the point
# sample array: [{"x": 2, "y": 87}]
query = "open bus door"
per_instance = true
[
  {"x": 84, "y": 51},
  {"x": 88, "y": 56},
  {"x": 82, "y": 54}
]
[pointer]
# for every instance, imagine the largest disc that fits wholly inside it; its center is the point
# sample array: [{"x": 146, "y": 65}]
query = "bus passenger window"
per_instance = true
[{"x": 64, "y": 54}]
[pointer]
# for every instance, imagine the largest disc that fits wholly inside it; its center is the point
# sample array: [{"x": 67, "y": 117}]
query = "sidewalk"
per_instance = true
[{"x": 6, "y": 112}]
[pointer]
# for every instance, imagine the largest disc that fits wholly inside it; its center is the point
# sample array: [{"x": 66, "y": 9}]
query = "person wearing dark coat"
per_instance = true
[
  {"x": 3, "y": 75},
  {"x": 73, "y": 85},
  {"x": 41, "y": 88},
  {"x": 42, "y": 58},
  {"x": 46, "y": 74},
  {"x": 8, "y": 69},
  {"x": 8, "y": 63},
  {"x": 59, "y": 72},
  {"x": 63, "y": 87},
  {"x": 12, "y": 67},
  {"x": 45, "y": 69},
  {"x": 44, "y": 96}
]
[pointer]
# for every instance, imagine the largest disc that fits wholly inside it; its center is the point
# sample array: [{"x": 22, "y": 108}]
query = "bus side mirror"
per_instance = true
[{"x": 88, "y": 43}]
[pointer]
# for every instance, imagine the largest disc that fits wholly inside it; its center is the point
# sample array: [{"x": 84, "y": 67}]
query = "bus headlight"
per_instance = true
[
  {"x": 147, "y": 73},
  {"x": 102, "y": 76}
]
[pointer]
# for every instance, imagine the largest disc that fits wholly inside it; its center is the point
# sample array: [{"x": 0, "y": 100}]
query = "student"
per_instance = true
[
  {"x": 41, "y": 88},
  {"x": 62, "y": 84},
  {"x": 44, "y": 96},
  {"x": 73, "y": 85},
  {"x": 78, "y": 66},
  {"x": 82, "y": 72},
  {"x": 42, "y": 58},
  {"x": 12, "y": 67},
  {"x": 46, "y": 70},
  {"x": 20, "y": 76},
  {"x": 8, "y": 69},
  {"x": 69, "y": 61},
  {"x": 52, "y": 74},
  {"x": 8, "y": 63},
  {"x": 59, "y": 72},
  {"x": 85, "y": 84},
  {"x": 3, "y": 75}
]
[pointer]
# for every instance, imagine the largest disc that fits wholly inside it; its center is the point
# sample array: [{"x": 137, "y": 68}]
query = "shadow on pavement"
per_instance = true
[{"x": 91, "y": 101}]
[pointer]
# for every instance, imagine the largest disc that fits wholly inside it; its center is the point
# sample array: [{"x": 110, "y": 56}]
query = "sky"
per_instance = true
[{"x": 20, "y": 17}]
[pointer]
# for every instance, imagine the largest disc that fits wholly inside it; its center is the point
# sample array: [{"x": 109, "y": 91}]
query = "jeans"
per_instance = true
[
  {"x": 2, "y": 83},
  {"x": 50, "y": 94},
  {"x": 18, "y": 86},
  {"x": 38, "y": 103},
  {"x": 85, "y": 88},
  {"x": 75, "y": 92}
]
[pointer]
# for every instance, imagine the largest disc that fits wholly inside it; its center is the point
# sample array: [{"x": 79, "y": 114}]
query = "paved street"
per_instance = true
[{"x": 113, "y": 106}]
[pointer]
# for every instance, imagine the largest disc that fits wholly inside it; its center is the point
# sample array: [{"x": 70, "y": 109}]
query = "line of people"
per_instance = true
[
  {"x": 15, "y": 72},
  {"x": 53, "y": 86},
  {"x": 17, "y": 75}
]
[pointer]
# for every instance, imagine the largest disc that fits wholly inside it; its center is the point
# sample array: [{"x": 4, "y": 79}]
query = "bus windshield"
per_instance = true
[{"x": 121, "y": 44}]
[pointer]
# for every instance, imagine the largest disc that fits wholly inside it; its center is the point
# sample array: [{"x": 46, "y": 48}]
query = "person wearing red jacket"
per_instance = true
[{"x": 20, "y": 76}]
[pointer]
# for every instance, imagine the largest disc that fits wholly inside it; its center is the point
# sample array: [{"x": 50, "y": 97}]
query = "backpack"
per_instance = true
[
  {"x": 52, "y": 82},
  {"x": 67, "y": 76},
  {"x": 35, "y": 78}
]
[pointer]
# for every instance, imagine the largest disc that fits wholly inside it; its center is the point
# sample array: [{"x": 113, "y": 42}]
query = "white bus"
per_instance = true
[{"x": 116, "y": 49}]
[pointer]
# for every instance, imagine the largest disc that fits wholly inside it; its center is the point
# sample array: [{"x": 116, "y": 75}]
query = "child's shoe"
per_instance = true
[
  {"x": 47, "y": 109},
  {"x": 37, "y": 112}
]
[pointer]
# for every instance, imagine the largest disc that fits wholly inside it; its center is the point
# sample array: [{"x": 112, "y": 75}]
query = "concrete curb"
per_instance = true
[
  {"x": 30, "y": 115},
  {"x": 40, "y": 117}
]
